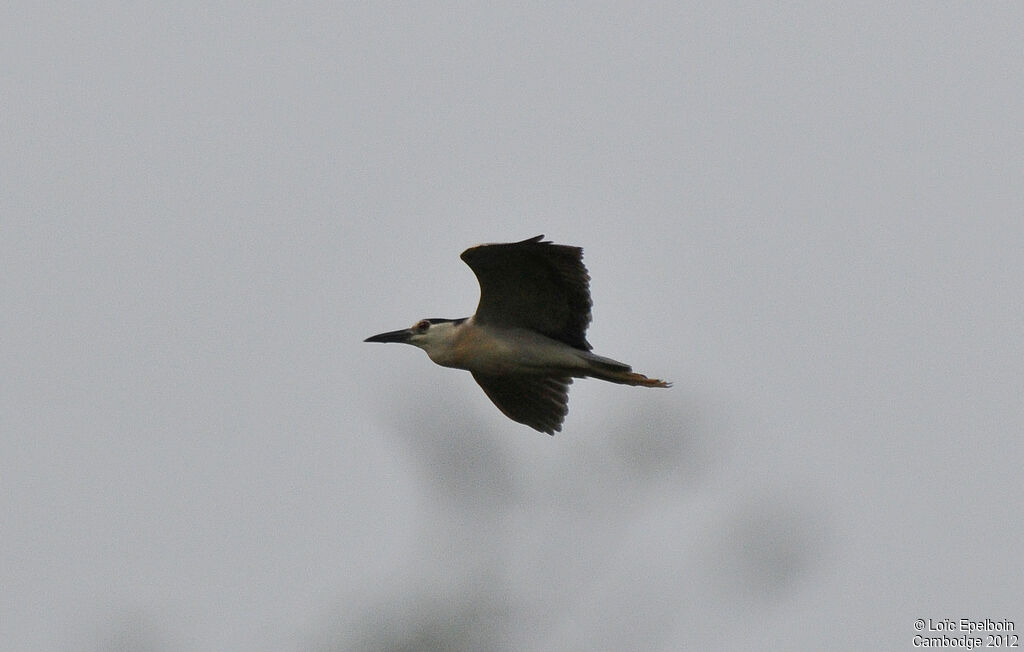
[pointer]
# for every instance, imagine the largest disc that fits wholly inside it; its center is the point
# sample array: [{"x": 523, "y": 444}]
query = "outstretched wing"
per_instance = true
[
  {"x": 540, "y": 402},
  {"x": 533, "y": 284}
]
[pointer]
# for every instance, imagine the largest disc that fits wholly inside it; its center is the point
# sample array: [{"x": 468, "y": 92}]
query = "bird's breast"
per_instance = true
[{"x": 497, "y": 352}]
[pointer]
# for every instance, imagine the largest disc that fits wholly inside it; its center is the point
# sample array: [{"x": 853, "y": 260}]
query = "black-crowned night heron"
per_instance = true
[{"x": 527, "y": 340}]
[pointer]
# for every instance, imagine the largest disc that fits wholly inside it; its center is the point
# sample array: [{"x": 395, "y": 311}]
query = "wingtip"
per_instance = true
[{"x": 468, "y": 253}]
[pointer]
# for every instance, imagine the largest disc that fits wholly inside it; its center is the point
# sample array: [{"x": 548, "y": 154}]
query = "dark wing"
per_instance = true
[
  {"x": 533, "y": 284},
  {"x": 540, "y": 402}
]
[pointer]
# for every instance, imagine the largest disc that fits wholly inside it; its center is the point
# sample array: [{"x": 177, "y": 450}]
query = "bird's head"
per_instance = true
[{"x": 432, "y": 335}]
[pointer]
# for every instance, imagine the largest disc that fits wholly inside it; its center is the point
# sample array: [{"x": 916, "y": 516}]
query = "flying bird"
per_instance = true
[{"x": 527, "y": 340}]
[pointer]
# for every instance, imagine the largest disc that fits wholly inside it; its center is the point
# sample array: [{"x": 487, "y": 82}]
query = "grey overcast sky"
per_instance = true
[{"x": 810, "y": 217}]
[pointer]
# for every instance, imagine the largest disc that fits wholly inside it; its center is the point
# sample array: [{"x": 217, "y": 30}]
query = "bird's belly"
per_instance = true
[{"x": 500, "y": 353}]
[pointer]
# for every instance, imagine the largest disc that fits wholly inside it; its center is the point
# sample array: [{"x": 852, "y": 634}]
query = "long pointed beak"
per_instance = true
[{"x": 392, "y": 336}]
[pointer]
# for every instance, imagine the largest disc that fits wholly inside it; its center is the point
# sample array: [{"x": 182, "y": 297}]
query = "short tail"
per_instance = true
[
  {"x": 618, "y": 372},
  {"x": 632, "y": 378}
]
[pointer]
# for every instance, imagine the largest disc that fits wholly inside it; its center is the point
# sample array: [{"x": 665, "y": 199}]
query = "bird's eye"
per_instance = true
[{"x": 421, "y": 326}]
